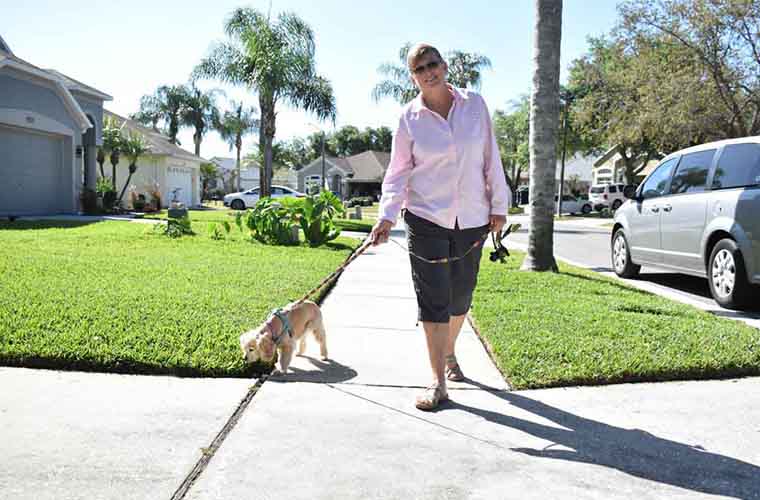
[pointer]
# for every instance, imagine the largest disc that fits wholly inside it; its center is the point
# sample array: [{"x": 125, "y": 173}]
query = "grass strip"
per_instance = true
[{"x": 578, "y": 328}]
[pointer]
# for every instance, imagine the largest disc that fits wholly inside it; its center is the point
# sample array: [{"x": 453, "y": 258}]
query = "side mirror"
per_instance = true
[{"x": 629, "y": 192}]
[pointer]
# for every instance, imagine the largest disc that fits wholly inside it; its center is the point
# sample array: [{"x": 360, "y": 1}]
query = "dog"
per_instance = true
[{"x": 261, "y": 342}]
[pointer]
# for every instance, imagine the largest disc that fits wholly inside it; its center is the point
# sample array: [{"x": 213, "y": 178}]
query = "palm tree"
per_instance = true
[
  {"x": 200, "y": 112},
  {"x": 165, "y": 105},
  {"x": 544, "y": 124},
  {"x": 133, "y": 146},
  {"x": 111, "y": 148},
  {"x": 398, "y": 85},
  {"x": 275, "y": 59},
  {"x": 233, "y": 126},
  {"x": 209, "y": 172},
  {"x": 464, "y": 71}
]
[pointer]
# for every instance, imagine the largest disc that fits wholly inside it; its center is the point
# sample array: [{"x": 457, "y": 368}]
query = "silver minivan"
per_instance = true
[{"x": 697, "y": 213}]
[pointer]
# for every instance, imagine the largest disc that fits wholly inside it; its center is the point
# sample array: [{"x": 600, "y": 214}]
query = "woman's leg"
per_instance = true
[
  {"x": 437, "y": 335},
  {"x": 455, "y": 326}
]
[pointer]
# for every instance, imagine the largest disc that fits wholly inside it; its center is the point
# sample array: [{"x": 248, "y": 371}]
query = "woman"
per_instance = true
[{"x": 445, "y": 172}]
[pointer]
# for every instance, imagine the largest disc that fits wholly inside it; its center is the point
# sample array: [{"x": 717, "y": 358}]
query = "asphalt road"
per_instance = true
[{"x": 589, "y": 247}]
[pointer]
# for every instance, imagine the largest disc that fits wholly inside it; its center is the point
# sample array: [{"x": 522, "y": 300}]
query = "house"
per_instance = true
[
  {"x": 610, "y": 168},
  {"x": 249, "y": 173},
  {"x": 578, "y": 173},
  {"x": 166, "y": 167},
  {"x": 50, "y": 128},
  {"x": 358, "y": 175}
]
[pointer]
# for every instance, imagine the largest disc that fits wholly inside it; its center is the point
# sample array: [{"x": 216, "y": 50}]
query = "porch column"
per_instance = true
[{"x": 91, "y": 167}]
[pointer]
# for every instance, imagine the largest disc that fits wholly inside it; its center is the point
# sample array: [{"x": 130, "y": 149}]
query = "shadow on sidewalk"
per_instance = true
[
  {"x": 325, "y": 372},
  {"x": 632, "y": 451}
]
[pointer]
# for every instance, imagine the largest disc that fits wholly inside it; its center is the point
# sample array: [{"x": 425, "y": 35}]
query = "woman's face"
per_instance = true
[{"x": 429, "y": 72}]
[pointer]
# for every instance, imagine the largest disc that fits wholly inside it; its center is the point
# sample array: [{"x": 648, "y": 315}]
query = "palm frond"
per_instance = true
[{"x": 313, "y": 94}]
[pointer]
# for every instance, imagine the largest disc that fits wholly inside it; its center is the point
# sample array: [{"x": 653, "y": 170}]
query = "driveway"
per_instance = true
[{"x": 586, "y": 243}]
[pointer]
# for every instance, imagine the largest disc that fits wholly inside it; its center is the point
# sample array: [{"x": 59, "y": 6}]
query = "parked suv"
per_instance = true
[
  {"x": 697, "y": 213},
  {"x": 606, "y": 196}
]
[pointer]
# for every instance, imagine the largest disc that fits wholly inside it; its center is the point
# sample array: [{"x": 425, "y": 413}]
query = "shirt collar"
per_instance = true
[{"x": 418, "y": 105}]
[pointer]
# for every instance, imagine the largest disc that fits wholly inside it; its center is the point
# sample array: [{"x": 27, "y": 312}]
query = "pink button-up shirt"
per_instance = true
[{"x": 446, "y": 170}]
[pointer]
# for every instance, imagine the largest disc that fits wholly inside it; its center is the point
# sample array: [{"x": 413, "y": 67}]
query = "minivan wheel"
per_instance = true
[
  {"x": 238, "y": 205},
  {"x": 586, "y": 209},
  {"x": 621, "y": 257},
  {"x": 616, "y": 204},
  {"x": 727, "y": 276}
]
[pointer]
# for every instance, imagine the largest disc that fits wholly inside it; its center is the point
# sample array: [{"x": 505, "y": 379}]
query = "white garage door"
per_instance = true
[
  {"x": 182, "y": 178},
  {"x": 31, "y": 173}
]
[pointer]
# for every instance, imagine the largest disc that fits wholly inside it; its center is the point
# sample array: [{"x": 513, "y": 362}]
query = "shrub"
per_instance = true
[
  {"x": 271, "y": 223},
  {"x": 315, "y": 216},
  {"x": 516, "y": 210}
]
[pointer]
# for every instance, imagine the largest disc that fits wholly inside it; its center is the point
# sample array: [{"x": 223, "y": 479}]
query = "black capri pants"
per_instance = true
[{"x": 443, "y": 290}]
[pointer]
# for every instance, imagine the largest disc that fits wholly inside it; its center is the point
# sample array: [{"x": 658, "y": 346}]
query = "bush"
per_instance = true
[
  {"x": 516, "y": 210},
  {"x": 271, "y": 223},
  {"x": 316, "y": 213}
]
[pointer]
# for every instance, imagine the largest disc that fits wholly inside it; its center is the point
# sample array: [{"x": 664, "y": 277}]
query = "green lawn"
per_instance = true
[
  {"x": 576, "y": 328},
  {"x": 114, "y": 296}
]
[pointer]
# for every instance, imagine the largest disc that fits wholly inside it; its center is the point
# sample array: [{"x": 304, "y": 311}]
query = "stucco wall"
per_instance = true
[
  {"x": 37, "y": 96},
  {"x": 95, "y": 110}
]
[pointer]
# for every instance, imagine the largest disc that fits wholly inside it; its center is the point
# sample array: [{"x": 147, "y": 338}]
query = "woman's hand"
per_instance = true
[
  {"x": 497, "y": 222},
  {"x": 381, "y": 232}
]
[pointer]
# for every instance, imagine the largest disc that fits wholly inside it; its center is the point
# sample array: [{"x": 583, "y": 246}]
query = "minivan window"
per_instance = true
[
  {"x": 656, "y": 183},
  {"x": 691, "y": 175},
  {"x": 613, "y": 189},
  {"x": 597, "y": 190},
  {"x": 738, "y": 166}
]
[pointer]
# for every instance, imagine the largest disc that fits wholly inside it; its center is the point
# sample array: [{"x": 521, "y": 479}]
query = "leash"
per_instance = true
[{"x": 498, "y": 254}]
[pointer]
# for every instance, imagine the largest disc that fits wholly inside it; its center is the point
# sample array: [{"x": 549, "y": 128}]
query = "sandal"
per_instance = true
[
  {"x": 431, "y": 398},
  {"x": 453, "y": 371}
]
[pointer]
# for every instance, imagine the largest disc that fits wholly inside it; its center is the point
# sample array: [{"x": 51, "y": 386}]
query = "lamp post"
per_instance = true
[{"x": 567, "y": 96}]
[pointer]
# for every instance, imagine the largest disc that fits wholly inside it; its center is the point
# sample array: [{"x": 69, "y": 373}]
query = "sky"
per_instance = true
[{"x": 128, "y": 49}]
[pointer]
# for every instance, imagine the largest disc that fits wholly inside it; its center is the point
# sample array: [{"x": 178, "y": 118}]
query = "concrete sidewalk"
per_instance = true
[{"x": 347, "y": 427}]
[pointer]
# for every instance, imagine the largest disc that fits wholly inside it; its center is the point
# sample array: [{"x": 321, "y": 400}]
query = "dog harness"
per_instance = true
[{"x": 286, "y": 328}]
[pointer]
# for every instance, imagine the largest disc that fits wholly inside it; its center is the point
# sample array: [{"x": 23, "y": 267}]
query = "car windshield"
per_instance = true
[{"x": 597, "y": 189}]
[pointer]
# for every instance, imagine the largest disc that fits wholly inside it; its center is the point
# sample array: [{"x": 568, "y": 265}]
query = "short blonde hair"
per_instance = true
[{"x": 419, "y": 50}]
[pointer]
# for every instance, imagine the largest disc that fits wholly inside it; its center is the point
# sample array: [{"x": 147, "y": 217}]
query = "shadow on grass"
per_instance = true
[
  {"x": 31, "y": 224},
  {"x": 607, "y": 282},
  {"x": 632, "y": 451},
  {"x": 129, "y": 367}
]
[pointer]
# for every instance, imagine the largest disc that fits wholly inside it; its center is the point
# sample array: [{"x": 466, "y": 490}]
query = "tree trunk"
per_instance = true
[
  {"x": 238, "y": 147},
  {"x": 267, "y": 133},
  {"x": 544, "y": 121},
  {"x": 197, "y": 138}
]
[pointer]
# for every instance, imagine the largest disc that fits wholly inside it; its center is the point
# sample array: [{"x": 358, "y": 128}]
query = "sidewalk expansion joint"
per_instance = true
[{"x": 211, "y": 450}]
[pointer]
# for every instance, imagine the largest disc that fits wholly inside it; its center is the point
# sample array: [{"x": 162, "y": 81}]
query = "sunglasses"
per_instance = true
[{"x": 426, "y": 67}]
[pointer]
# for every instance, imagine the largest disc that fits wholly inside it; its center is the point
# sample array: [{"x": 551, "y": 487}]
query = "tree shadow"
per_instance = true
[{"x": 633, "y": 451}]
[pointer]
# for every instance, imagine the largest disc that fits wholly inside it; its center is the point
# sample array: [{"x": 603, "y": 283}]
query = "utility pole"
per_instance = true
[{"x": 324, "y": 184}]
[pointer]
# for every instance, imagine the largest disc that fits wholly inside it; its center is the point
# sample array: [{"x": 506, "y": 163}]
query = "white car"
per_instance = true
[
  {"x": 246, "y": 199},
  {"x": 606, "y": 195},
  {"x": 573, "y": 205}
]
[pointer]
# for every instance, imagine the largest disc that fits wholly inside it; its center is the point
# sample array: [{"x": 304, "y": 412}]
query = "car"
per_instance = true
[
  {"x": 246, "y": 199},
  {"x": 573, "y": 205},
  {"x": 697, "y": 213},
  {"x": 606, "y": 196}
]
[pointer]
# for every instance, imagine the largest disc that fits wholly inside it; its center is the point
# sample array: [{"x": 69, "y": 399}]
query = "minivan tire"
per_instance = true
[
  {"x": 726, "y": 264},
  {"x": 237, "y": 205},
  {"x": 621, "y": 257},
  {"x": 586, "y": 209},
  {"x": 616, "y": 204}
]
